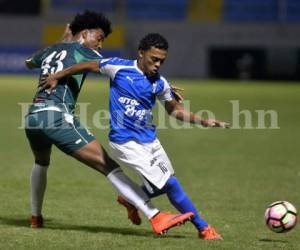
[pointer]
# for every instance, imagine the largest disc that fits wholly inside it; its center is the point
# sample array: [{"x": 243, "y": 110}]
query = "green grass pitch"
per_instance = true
[{"x": 231, "y": 175}]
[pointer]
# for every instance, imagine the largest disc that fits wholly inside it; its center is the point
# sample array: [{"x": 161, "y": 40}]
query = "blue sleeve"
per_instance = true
[{"x": 110, "y": 66}]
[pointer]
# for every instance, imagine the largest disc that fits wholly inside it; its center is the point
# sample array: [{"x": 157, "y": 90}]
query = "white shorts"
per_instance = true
[{"x": 149, "y": 160}]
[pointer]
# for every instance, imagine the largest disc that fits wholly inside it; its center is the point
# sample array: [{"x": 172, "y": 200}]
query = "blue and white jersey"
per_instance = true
[{"x": 132, "y": 98}]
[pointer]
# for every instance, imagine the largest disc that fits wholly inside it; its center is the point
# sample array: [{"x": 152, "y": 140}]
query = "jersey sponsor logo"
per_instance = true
[
  {"x": 128, "y": 101},
  {"x": 131, "y": 110}
]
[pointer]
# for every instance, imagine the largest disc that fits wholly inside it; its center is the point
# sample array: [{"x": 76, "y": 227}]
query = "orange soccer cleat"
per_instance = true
[
  {"x": 37, "y": 221},
  {"x": 132, "y": 212},
  {"x": 162, "y": 222},
  {"x": 209, "y": 233}
]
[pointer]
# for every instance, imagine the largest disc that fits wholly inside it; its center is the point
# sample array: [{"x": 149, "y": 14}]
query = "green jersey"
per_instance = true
[{"x": 53, "y": 59}]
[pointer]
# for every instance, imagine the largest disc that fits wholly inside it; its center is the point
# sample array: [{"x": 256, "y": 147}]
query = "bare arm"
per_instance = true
[
  {"x": 176, "y": 110},
  {"x": 50, "y": 81}
]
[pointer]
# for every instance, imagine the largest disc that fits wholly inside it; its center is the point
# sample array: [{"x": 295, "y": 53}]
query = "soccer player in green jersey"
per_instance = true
[{"x": 50, "y": 121}]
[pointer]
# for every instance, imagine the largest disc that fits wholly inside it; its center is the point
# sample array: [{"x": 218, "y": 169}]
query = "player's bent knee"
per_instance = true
[
  {"x": 93, "y": 160},
  {"x": 99, "y": 160},
  {"x": 104, "y": 165},
  {"x": 43, "y": 162},
  {"x": 42, "y": 157}
]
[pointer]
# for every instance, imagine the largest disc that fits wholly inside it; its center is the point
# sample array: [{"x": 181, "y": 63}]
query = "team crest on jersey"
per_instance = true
[{"x": 154, "y": 87}]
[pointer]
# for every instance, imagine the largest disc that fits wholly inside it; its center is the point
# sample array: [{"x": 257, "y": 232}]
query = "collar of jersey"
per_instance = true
[{"x": 137, "y": 68}]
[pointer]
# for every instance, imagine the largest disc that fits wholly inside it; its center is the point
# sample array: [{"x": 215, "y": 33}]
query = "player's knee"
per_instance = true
[
  {"x": 42, "y": 157},
  {"x": 99, "y": 160},
  {"x": 43, "y": 162},
  {"x": 104, "y": 164}
]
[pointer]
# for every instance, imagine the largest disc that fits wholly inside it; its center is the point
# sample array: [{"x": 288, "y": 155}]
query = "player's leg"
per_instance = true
[
  {"x": 45, "y": 128},
  {"x": 72, "y": 138},
  {"x": 178, "y": 198},
  {"x": 173, "y": 189},
  {"x": 41, "y": 149},
  {"x": 153, "y": 184},
  {"x": 38, "y": 184},
  {"x": 139, "y": 158},
  {"x": 94, "y": 156}
]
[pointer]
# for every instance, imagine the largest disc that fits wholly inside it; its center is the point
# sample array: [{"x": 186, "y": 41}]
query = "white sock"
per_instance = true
[
  {"x": 38, "y": 183},
  {"x": 132, "y": 192}
]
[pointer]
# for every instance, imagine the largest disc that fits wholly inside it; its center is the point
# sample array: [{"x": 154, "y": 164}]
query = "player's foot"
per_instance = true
[
  {"x": 162, "y": 222},
  {"x": 132, "y": 212},
  {"x": 37, "y": 221},
  {"x": 209, "y": 233}
]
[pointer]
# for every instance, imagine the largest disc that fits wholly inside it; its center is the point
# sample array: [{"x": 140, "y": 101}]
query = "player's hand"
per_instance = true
[
  {"x": 47, "y": 82},
  {"x": 215, "y": 123},
  {"x": 176, "y": 92}
]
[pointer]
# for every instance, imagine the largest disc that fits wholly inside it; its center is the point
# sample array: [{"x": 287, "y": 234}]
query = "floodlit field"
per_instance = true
[{"x": 231, "y": 175}]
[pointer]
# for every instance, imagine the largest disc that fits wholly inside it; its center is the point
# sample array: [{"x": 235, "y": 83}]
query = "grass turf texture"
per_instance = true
[{"x": 231, "y": 175}]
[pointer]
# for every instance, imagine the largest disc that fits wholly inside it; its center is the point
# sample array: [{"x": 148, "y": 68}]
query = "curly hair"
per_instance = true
[
  {"x": 90, "y": 20},
  {"x": 153, "y": 40}
]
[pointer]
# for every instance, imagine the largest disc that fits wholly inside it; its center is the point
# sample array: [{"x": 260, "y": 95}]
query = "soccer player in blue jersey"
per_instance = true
[
  {"x": 51, "y": 121},
  {"x": 134, "y": 87}
]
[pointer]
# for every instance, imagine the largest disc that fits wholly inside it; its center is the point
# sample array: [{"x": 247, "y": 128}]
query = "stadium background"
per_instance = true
[
  {"x": 221, "y": 50},
  {"x": 220, "y": 38}
]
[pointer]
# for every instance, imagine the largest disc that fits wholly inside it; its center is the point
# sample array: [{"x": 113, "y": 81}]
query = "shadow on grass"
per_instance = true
[
  {"x": 15, "y": 222},
  {"x": 85, "y": 228},
  {"x": 272, "y": 241}
]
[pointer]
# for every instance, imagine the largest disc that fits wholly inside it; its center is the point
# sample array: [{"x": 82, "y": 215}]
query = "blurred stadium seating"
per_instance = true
[
  {"x": 292, "y": 10},
  {"x": 157, "y": 9},
  {"x": 77, "y": 6},
  {"x": 206, "y": 29},
  {"x": 250, "y": 10}
]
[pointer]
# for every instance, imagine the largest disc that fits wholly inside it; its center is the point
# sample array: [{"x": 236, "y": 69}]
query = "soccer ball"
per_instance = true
[{"x": 281, "y": 216}]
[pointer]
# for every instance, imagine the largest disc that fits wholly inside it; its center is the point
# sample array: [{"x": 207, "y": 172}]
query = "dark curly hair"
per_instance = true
[
  {"x": 90, "y": 20},
  {"x": 153, "y": 40}
]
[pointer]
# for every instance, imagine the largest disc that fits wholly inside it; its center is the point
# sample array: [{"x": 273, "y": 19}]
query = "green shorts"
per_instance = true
[{"x": 65, "y": 131}]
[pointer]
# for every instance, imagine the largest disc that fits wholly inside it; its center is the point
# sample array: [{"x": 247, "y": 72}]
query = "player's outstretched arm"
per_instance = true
[
  {"x": 176, "y": 110},
  {"x": 49, "y": 82}
]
